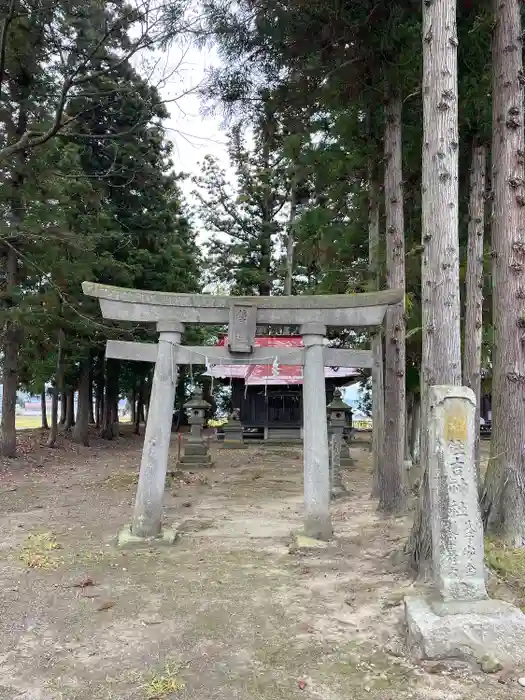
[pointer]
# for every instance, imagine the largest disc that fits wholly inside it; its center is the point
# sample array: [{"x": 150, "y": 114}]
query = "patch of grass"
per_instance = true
[
  {"x": 93, "y": 557},
  {"x": 28, "y": 422},
  {"x": 507, "y": 562},
  {"x": 122, "y": 480},
  {"x": 162, "y": 686},
  {"x": 36, "y": 551}
]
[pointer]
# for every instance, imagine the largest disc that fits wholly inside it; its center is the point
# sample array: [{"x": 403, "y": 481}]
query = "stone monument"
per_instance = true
[
  {"x": 233, "y": 433},
  {"x": 196, "y": 450},
  {"x": 458, "y": 620}
]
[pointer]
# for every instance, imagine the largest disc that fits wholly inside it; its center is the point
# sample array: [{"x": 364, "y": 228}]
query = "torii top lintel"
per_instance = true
[{"x": 351, "y": 310}]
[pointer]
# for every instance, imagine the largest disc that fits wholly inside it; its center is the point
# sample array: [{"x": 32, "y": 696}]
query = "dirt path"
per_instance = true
[{"x": 227, "y": 612}]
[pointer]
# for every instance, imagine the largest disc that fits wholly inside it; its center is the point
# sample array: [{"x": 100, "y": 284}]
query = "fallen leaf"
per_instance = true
[
  {"x": 106, "y": 606},
  {"x": 302, "y": 685}
]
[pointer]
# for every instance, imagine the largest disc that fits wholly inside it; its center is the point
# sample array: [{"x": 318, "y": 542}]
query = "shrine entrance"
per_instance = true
[{"x": 170, "y": 311}]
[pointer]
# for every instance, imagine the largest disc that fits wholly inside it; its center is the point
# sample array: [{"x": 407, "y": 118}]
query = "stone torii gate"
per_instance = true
[{"x": 242, "y": 314}]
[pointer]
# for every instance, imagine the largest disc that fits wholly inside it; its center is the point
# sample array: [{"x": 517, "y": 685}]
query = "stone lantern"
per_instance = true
[
  {"x": 233, "y": 436},
  {"x": 196, "y": 450},
  {"x": 339, "y": 452}
]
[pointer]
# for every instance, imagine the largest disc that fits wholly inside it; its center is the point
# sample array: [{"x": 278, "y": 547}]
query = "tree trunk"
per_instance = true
[
  {"x": 91, "y": 417},
  {"x": 392, "y": 481},
  {"x": 109, "y": 428},
  {"x": 409, "y": 419},
  {"x": 57, "y": 385},
  {"x": 43, "y": 410},
  {"x": 267, "y": 221},
  {"x": 10, "y": 363},
  {"x": 53, "y": 432},
  {"x": 115, "y": 418},
  {"x": 377, "y": 337},
  {"x": 81, "y": 430},
  {"x": 288, "y": 282},
  {"x": 440, "y": 305},
  {"x": 474, "y": 293},
  {"x": 504, "y": 494},
  {"x": 99, "y": 405},
  {"x": 63, "y": 406},
  {"x": 132, "y": 401},
  {"x": 139, "y": 412},
  {"x": 180, "y": 396},
  {"x": 70, "y": 409},
  {"x": 415, "y": 432},
  {"x": 17, "y": 208}
]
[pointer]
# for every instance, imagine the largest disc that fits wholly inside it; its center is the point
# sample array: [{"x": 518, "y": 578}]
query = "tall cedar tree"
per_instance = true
[{"x": 504, "y": 494}]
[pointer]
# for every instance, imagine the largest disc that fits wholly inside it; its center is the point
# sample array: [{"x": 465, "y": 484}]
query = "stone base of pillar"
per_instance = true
[
  {"x": 127, "y": 540},
  {"x": 195, "y": 448},
  {"x": 318, "y": 528},
  {"x": 195, "y": 460},
  {"x": 467, "y": 630},
  {"x": 233, "y": 438},
  {"x": 233, "y": 435}
]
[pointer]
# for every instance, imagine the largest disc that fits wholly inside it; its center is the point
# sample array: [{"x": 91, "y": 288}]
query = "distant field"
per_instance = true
[
  {"x": 32, "y": 422},
  {"x": 26, "y": 422}
]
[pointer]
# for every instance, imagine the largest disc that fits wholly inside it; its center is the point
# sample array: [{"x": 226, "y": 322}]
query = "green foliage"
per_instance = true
[
  {"x": 91, "y": 195},
  {"x": 328, "y": 67}
]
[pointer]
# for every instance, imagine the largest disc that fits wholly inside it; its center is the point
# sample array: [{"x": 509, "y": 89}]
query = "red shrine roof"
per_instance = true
[{"x": 273, "y": 373}]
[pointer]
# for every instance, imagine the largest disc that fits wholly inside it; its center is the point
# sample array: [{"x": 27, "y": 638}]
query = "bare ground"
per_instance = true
[{"x": 225, "y": 613}]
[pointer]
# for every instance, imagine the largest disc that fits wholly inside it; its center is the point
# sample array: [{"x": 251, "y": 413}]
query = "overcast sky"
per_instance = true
[{"x": 193, "y": 135}]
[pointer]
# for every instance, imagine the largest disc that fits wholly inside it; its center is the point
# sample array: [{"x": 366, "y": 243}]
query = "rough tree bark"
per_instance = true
[
  {"x": 80, "y": 433},
  {"x": 91, "y": 412},
  {"x": 415, "y": 431},
  {"x": 473, "y": 326},
  {"x": 99, "y": 405},
  {"x": 63, "y": 406},
  {"x": 441, "y": 334},
  {"x": 409, "y": 417},
  {"x": 504, "y": 491},
  {"x": 378, "y": 414},
  {"x": 70, "y": 409},
  {"x": 139, "y": 411},
  {"x": 21, "y": 84},
  {"x": 268, "y": 225},
  {"x": 132, "y": 401},
  {"x": 391, "y": 482},
  {"x": 109, "y": 428},
  {"x": 290, "y": 239},
  {"x": 10, "y": 364},
  {"x": 43, "y": 410},
  {"x": 58, "y": 385}
]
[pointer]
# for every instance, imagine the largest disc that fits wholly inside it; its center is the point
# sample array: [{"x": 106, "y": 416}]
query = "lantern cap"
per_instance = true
[
  {"x": 337, "y": 403},
  {"x": 197, "y": 402}
]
